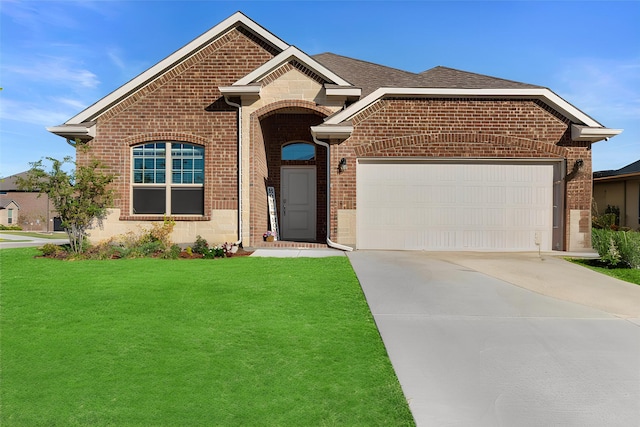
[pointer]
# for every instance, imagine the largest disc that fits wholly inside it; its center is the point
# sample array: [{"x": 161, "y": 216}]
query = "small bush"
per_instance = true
[
  {"x": 617, "y": 248},
  {"x": 50, "y": 250},
  {"x": 10, "y": 227},
  {"x": 172, "y": 253},
  {"x": 200, "y": 246}
]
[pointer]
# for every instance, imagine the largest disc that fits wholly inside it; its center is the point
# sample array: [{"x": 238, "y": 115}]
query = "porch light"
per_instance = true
[{"x": 342, "y": 166}]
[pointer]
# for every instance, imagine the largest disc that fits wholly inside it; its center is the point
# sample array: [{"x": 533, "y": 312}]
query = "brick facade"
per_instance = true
[
  {"x": 461, "y": 128},
  {"x": 183, "y": 105}
]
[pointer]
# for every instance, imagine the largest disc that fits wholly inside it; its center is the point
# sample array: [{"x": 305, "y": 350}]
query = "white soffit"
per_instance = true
[
  {"x": 72, "y": 132},
  {"x": 285, "y": 56},
  {"x": 174, "y": 59},
  {"x": 542, "y": 94},
  {"x": 334, "y": 131},
  {"x": 584, "y": 133}
]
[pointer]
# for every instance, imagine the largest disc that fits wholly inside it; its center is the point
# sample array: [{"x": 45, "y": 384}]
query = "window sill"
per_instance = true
[{"x": 162, "y": 218}]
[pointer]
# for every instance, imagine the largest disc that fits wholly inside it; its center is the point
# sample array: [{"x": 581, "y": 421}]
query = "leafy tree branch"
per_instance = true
[{"x": 80, "y": 197}]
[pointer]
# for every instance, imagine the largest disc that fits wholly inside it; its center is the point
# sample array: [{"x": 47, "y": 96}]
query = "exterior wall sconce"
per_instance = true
[{"x": 342, "y": 166}]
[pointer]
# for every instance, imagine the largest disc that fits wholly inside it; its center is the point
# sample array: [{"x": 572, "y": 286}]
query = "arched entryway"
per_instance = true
[{"x": 285, "y": 157}]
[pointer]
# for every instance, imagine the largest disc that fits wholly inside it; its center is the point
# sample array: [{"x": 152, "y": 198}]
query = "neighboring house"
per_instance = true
[
  {"x": 358, "y": 154},
  {"x": 620, "y": 189},
  {"x": 9, "y": 212},
  {"x": 36, "y": 214}
]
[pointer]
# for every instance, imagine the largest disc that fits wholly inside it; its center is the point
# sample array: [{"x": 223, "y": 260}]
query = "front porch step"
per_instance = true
[{"x": 284, "y": 244}]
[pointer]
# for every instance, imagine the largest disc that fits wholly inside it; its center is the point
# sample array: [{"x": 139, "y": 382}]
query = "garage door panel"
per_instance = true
[{"x": 448, "y": 206}]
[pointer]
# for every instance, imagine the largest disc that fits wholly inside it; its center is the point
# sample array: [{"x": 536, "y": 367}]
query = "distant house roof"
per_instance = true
[
  {"x": 10, "y": 183},
  {"x": 4, "y": 203},
  {"x": 629, "y": 170}
]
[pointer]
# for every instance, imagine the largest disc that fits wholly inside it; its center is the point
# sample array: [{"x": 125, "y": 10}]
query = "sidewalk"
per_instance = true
[
  {"x": 17, "y": 241},
  {"x": 297, "y": 253}
]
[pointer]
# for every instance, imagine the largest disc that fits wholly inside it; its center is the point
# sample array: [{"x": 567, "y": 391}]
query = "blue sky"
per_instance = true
[{"x": 58, "y": 57}]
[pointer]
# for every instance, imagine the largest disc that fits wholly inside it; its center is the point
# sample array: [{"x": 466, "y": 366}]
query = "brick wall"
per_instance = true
[
  {"x": 184, "y": 104},
  {"x": 465, "y": 128},
  {"x": 280, "y": 129},
  {"x": 271, "y": 127}
]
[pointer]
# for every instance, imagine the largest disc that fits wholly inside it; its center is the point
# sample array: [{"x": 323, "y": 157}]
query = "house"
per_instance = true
[
  {"x": 619, "y": 189},
  {"x": 357, "y": 155},
  {"x": 9, "y": 213},
  {"x": 35, "y": 211}
]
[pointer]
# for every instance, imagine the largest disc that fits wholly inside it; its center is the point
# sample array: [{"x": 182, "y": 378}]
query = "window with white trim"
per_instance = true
[
  {"x": 168, "y": 179},
  {"x": 9, "y": 216}
]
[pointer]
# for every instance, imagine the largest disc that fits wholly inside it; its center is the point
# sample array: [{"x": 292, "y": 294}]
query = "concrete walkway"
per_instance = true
[
  {"x": 471, "y": 349},
  {"x": 17, "y": 241},
  {"x": 295, "y": 253}
]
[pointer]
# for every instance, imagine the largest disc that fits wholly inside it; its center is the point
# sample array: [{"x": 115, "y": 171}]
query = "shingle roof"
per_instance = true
[
  {"x": 369, "y": 76},
  {"x": 10, "y": 183},
  {"x": 444, "y": 77},
  {"x": 626, "y": 170},
  {"x": 4, "y": 203}
]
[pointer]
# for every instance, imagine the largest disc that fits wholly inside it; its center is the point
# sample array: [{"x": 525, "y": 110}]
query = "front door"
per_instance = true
[{"x": 298, "y": 203}]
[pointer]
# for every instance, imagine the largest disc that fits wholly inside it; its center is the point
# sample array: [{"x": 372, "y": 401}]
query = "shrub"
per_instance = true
[
  {"x": 172, "y": 253},
  {"x": 50, "y": 250},
  {"x": 200, "y": 246},
  {"x": 10, "y": 227},
  {"x": 617, "y": 248}
]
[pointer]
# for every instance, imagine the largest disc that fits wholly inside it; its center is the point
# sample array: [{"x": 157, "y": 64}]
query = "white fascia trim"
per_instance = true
[
  {"x": 285, "y": 56},
  {"x": 240, "y": 90},
  {"x": 174, "y": 59},
  {"x": 71, "y": 132},
  {"x": 543, "y": 94},
  {"x": 344, "y": 91},
  {"x": 583, "y": 133},
  {"x": 321, "y": 131}
]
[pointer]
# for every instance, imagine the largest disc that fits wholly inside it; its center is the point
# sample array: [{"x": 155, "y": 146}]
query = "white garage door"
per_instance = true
[{"x": 454, "y": 206}]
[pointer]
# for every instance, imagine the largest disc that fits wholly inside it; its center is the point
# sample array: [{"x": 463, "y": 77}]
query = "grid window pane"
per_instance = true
[
  {"x": 184, "y": 166},
  {"x": 188, "y": 161},
  {"x": 148, "y": 162}
]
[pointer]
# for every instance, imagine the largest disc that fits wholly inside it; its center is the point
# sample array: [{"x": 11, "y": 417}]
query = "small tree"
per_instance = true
[{"x": 80, "y": 196}]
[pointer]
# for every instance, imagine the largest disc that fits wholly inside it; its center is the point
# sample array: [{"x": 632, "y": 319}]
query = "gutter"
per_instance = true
[
  {"x": 330, "y": 243},
  {"x": 239, "y": 107}
]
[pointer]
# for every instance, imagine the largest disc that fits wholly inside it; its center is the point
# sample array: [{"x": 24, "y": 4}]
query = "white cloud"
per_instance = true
[
  {"x": 60, "y": 70},
  {"x": 73, "y": 103},
  {"x": 610, "y": 88},
  {"x": 29, "y": 113}
]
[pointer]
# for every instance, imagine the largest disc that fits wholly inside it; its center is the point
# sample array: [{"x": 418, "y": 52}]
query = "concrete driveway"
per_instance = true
[{"x": 476, "y": 340}]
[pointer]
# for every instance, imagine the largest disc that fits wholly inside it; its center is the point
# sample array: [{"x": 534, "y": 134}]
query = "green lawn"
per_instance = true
[
  {"x": 631, "y": 275},
  {"x": 149, "y": 342}
]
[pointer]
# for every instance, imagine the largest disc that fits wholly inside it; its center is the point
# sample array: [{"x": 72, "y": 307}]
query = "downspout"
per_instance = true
[
  {"x": 239, "y": 107},
  {"x": 329, "y": 242}
]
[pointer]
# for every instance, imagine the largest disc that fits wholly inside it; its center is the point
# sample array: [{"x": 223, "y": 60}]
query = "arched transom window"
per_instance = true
[
  {"x": 168, "y": 179},
  {"x": 299, "y": 151}
]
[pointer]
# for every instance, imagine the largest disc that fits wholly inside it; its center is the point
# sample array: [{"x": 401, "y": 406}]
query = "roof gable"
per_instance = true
[
  {"x": 238, "y": 19},
  {"x": 292, "y": 53}
]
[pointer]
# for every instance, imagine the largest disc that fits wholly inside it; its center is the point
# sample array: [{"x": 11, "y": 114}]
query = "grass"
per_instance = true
[
  {"x": 141, "y": 342},
  {"x": 631, "y": 275}
]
